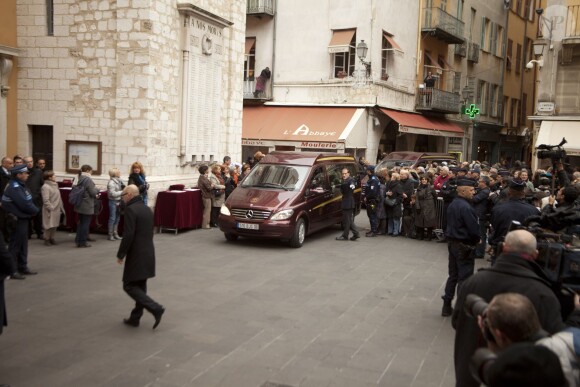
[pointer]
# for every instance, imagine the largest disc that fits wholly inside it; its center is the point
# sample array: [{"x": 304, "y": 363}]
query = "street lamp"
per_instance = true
[{"x": 361, "y": 52}]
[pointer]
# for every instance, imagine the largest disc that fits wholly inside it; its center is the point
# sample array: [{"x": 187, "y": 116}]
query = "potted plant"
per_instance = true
[
  {"x": 384, "y": 76},
  {"x": 341, "y": 74}
]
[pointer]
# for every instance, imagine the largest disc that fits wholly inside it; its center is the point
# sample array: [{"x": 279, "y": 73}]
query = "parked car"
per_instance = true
[
  {"x": 288, "y": 196},
  {"x": 413, "y": 160}
]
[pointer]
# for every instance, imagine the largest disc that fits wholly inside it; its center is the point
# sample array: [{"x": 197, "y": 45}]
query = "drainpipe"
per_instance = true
[
  {"x": 504, "y": 52},
  {"x": 275, "y": 6}
]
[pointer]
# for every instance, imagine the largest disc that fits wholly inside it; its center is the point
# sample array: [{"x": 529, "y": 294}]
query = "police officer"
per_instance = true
[
  {"x": 448, "y": 193},
  {"x": 348, "y": 206},
  {"x": 462, "y": 235},
  {"x": 504, "y": 213},
  {"x": 17, "y": 201},
  {"x": 481, "y": 205},
  {"x": 372, "y": 191}
]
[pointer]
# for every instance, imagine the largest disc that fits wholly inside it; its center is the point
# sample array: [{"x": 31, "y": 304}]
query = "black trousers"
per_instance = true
[
  {"x": 348, "y": 222},
  {"x": 137, "y": 290}
]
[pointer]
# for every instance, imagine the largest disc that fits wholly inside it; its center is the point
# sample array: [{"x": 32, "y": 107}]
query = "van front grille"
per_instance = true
[{"x": 243, "y": 213}]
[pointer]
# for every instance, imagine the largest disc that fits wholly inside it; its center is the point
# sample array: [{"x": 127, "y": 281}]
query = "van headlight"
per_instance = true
[
  {"x": 225, "y": 211},
  {"x": 282, "y": 215}
]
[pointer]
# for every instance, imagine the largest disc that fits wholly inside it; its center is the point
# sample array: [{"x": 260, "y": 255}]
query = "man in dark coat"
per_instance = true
[
  {"x": 6, "y": 269},
  {"x": 480, "y": 203},
  {"x": 34, "y": 184},
  {"x": 137, "y": 246},
  {"x": 462, "y": 234},
  {"x": 5, "y": 176},
  {"x": 348, "y": 206},
  {"x": 515, "y": 271},
  {"x": 503, "y": 214}
]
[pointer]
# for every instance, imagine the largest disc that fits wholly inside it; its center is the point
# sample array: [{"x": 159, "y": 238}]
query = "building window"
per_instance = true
[
  {"x": 519, "y": 7},
  {"x": 493, "y": 100},
  {"x": 250, "y": 59},
  {"x": 460, "y": 9},
  {"x": 518, "y": 57},
  {"x": 444, "y": 5},
  {"x": 388, "y": 46},
  {"x": 484, "y": 33},
  {"x": 482, "y": 97},
  {"x": 50, "y": 17},
  {"x": 493, "y": 38},
  {"x": 508, "y": 59},
  {"x": 344, "y": 62},
  {"x": 513, "y": 113},
  {"x": 524, "y": 109},
  {"x": 499, "y": 41}
]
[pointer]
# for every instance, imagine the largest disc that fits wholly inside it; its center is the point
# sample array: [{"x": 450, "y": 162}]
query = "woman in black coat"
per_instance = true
[
  {"x": 137, "y": 177},
  {"x": 424, "y": 207},
  {"x": 394, "y": 212}
]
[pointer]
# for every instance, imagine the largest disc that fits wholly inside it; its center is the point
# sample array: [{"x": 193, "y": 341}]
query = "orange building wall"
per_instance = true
[{"x": 8, "y": 37}]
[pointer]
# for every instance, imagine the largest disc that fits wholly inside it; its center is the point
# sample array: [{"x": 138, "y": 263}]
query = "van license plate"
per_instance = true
[{"x": 249, "y": 226}]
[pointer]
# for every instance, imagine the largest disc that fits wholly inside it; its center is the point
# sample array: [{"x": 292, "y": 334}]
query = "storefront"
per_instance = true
[
  {"x": 486, "y": 142},
  {"x": 304, "y": 128},
  {"x": 551, "y": 132}
]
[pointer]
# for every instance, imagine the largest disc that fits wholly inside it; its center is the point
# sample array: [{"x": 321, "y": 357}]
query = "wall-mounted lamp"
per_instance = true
[
  {"x": 361, "y": 52},
  {"x": 539, "y": 62},
  {"x": 539, "y": 45}
]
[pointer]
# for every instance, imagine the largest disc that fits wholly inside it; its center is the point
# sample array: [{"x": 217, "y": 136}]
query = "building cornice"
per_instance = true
[
  {"x": 8, "y": 50},
  {"x": 190, "y": 9}
]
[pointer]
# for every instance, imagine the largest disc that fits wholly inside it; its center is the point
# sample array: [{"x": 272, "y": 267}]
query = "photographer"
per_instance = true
[
  {"x": 509, "y": 319},
  {"x": 515, "y": 271}
]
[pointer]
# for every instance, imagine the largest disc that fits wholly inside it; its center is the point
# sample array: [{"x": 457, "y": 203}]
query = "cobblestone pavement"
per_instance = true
[{"x": 332, "y": 313}]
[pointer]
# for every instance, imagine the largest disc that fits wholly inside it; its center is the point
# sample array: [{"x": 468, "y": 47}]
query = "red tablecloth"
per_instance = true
[
  {"x": 98, "y": 222},
  {"x": 177, "y": 210}
]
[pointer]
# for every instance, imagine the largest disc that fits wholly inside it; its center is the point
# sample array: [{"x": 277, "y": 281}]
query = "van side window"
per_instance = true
[{"x": 318, "y": 181}]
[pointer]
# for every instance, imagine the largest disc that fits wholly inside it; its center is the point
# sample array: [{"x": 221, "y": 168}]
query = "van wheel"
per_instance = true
[
  {"x": 299, "y": 234},
  {"x": 230, "y": 237}
]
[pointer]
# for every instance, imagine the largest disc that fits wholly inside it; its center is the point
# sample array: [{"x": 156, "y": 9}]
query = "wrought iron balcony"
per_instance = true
[
  {"x": 473, "y": 52},
  {"x": 250, "y": 92},
  {"x": 442, "y": 25},
  {"x": 435, "y": 100},
  {"x": 260, "y": 7}
]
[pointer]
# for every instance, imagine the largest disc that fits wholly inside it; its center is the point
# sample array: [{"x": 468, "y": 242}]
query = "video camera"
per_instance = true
[{"x": 553, "y": 152}]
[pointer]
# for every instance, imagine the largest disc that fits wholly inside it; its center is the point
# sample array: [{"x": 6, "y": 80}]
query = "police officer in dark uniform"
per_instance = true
[
  {"x": 482, "y": 207},
  {"x": 348, "y": 206},
  {"x": 17, "y": 201},
  {"x": 462, "y": 235},
  {"x": 372, "y": 192},
  {"x": 504, "y": 213},
  {"x": 448, "y": 193}
]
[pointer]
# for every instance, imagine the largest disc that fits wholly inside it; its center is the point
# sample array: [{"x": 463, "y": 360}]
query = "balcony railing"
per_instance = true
[
  {"x": 432, "y": 99},
  {"x": 442, "y": 25},
  {"x": 251, "y": 93},
  {"x": 473, "y": 52},
  {"x": 259, "y": 7}
]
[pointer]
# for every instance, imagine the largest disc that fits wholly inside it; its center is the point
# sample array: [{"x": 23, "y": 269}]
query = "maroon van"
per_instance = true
[{"x": 287, "y": 196}]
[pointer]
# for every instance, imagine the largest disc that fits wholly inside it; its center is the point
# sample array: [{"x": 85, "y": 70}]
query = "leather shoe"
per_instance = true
[
  {"x": 84, "y": 245},
  {"x": 17, "y": 276},
  {"x": 158, "y": 317},
  {"x": 27, "y": 272},
  {"x": 341, "y": 238},
  {"x": 133, "y": 323},
  {"x": 354, "y": 237}
]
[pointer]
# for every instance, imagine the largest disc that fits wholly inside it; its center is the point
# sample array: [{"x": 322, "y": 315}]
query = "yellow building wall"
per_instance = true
[{"x": 8, "y": 37}]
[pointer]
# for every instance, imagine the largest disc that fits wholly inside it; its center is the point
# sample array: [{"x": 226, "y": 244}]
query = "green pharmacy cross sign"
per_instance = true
[{"x": 471, "y": 111}]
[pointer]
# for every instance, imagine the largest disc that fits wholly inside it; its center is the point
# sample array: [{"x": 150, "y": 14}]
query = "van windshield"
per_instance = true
[
  {"x": 389, "y": 164},
  {"x": 286, "y": 177}
]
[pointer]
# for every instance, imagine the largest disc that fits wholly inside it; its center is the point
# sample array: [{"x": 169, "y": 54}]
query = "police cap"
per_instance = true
[
  {"x": 517, "y": 184},
  {"x": 18, "y": 169}
]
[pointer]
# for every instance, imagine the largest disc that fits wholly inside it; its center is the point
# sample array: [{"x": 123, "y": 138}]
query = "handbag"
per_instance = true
[
  {"x": 390, "y": 202},
  {"x": 217, "y": 193}
]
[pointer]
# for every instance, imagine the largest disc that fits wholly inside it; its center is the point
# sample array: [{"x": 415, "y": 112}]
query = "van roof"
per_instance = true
[
  {"x": 304, "y": 158},
  {"x": 417, "y": 155}
]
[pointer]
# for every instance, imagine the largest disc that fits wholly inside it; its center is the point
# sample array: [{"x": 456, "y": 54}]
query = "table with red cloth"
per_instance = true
[
  {"x": 178, "y": 209},
  {"x": 99, "y": 222}
]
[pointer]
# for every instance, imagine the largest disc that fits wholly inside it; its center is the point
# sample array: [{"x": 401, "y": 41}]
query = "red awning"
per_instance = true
[
  {"x": 249, "y": 45},
  {"x": 392, "y": 42},
  {"x": 340, "y": 41},
  {"x": 295, "y": 123},
  {"x": 420, "y": 124}
]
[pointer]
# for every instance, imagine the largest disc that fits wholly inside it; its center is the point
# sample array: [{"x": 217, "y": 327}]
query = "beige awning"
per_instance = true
[
  {"x": 434, "y": 63},
  {"x": 250, "y": 42},
  {"x": 340, "y": 41},
  {"x": 393, "y": 43}
]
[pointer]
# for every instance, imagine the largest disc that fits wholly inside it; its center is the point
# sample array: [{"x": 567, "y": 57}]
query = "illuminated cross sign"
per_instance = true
[{"x": 472, "y": 111}]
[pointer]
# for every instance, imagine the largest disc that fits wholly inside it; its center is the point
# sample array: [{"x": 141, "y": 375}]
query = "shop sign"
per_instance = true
[
  {"x": 546, "y": 107},
  {"x": 325, "y": 145}
]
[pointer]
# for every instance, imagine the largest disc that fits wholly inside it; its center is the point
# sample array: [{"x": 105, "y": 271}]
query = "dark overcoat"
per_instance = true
[
  {"x": 425, "y": 207},
  {"x": 6, "y": 268},
  {"x": 137, "y": 245},
  {"x": 397, "y": 189},
  {"x": 514, "y": 274}
]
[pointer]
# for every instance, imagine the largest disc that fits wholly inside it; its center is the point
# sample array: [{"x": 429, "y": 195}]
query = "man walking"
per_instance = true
[
  {"x": 34, "y": 185},
  {"x": 462, "y": 235},
  {"x": 137, "y": 246},
  {"x": 348, "y": 205},
  {"x": 17, "y": 202}
]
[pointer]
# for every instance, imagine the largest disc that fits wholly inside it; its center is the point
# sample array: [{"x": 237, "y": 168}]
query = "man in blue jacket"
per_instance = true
[{"x": 18, "y": 204}]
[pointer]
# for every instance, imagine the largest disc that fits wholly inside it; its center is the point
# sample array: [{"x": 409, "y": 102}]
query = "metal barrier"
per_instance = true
[{"x": 440, "y": 214}]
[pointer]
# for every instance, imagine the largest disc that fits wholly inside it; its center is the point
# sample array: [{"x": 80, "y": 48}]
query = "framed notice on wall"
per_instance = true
[{"x": 79, "y": 153}]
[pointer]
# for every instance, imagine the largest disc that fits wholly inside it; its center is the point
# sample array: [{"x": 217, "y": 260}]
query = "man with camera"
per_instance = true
[
  {"x": 462, "y": 234},
  {"x": 515, "y": 271},
  {"x": 511, "y": 327}
]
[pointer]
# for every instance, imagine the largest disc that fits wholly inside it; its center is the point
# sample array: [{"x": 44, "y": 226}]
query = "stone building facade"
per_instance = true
[{"x": 158, "y": 81}]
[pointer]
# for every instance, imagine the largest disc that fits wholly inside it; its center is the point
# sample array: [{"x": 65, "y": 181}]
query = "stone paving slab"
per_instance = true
[{"x": 363, "y": 313}]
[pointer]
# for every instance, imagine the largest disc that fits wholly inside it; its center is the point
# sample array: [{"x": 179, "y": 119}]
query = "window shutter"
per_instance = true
[
  {"x": 482, "y": 33},
  {"x": 457, "y": 82}
]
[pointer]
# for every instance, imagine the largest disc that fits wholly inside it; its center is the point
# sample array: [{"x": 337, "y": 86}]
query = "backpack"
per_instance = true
[{"x": 76, "y": 195}]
